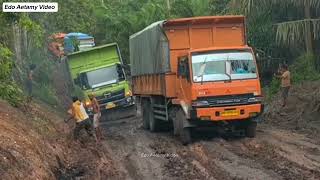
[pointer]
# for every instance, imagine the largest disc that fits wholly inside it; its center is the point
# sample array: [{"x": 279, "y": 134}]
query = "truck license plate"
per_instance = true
[
  {"x": 110, "y": 105},
  {"x": 230, "y": 113}
]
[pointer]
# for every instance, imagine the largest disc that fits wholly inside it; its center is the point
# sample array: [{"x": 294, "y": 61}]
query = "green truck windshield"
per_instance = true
[
  {"x": 102, "y": 77},
  {"x": 220, "y": 66}
]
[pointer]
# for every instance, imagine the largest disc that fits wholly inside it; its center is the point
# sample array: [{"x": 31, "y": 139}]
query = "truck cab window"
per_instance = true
[
  {"x": 223, "y": 65},
  {"x": 183, "y": 67}
]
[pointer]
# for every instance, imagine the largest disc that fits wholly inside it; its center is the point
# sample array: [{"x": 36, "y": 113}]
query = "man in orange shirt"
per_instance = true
[{"x": 285, "y": 83}]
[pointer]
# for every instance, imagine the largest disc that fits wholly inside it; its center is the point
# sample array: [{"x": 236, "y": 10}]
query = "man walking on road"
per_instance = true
[
  {"x": 285, "y": 83},
  {"x": 96, "y": 116},
  {"x": 81, "y": 118}
]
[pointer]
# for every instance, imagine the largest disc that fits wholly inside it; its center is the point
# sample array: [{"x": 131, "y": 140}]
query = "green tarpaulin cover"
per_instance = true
[{"x": 149, "y": 51}]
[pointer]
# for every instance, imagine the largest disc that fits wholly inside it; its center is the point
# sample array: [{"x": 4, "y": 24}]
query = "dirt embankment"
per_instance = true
[
  {"x": 36, "y": 144},
  {"x": 302, "y": 114}
]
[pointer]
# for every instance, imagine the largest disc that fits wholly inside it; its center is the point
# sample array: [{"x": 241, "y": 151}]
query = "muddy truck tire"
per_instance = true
[
  {"x": 145, "y": 114},
  {"x": 184, "y": 133},
  {"x": 154, "y": 123},
  {"x": 250, "y": 130}
]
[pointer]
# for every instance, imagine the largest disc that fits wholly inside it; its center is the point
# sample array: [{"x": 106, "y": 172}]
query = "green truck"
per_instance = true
[{"x": 100, "y": 71}]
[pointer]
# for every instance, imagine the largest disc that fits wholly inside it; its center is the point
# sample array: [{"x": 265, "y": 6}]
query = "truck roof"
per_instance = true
[
  {"x": 95, "y": 48},
  {"x": 201, "y": 19},
  {"x": 191, "y": 20},
  {"x": 151, "y": 49}
]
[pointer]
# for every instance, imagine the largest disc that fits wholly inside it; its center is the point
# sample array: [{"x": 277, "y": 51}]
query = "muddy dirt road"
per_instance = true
[{"x": 273, "y": 154}]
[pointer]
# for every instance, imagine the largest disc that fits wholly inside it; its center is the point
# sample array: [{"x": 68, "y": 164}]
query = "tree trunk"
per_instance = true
[{"x": 308, "y": 30}]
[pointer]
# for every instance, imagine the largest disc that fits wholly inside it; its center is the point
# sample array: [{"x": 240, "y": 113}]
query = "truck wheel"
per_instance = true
[
  {"x": 154, "y": 123},
  {"x": 145, "y": 114},
  {"x": 185, "y": 136},
  {"x": 251, "y": 130},
  {"x": 184, "y": 133}
]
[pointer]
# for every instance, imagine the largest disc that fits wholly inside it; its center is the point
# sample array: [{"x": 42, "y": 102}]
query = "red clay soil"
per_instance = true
[{"x": 35, "y": 143}]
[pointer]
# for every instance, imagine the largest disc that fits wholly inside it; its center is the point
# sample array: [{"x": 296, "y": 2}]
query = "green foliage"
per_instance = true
[
  {"x": 34, "y": 29},
  {"x": 11, "y": 93},
  {"x": 273, "y": 88},
  {"x": 8, "y": 90},
  {"x": 297, "y": 23},
  {"x": 5, "y": 63},
  {"x": 73, "y": 16},
  {"x": 46, "y": 93},
  {"x": 304, "y": 69}
]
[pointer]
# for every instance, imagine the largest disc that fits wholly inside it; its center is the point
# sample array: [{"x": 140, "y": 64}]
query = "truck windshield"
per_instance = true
[
  {"x": 223, "y": 65},
  {"x": 103, "y": 76}
]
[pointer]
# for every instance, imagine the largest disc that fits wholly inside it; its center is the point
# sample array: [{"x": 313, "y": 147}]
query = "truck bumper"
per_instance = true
[
  {"x": 125, "y": 102},
  {"x": 227, "y": 113}
]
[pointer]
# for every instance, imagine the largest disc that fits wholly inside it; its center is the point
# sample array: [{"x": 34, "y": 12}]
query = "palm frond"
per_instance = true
[
  {"x": 294, "y": 31},
  {"x": 249, "y": 5}
]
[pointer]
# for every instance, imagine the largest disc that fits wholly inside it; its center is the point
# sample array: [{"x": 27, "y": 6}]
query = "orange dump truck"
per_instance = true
[{"x": 196, "y": 72}]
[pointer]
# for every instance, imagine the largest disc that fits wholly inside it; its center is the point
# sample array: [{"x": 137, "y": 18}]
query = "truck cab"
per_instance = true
[
  {"x": 223, "y": 83},
  {"x": 100, "y": 71}
]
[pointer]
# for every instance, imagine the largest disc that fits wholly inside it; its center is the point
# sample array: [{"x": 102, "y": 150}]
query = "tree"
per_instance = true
[{"x": 305, "y": 28}]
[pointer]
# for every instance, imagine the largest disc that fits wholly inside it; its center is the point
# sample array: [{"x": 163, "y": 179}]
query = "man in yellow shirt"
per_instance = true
[
  {"x": 285, "y": 83},
  {"x": 81, "y": 117}
]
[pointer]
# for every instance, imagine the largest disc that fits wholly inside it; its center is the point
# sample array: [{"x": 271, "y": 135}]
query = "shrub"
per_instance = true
[
  {"x": 8, "y": 89},
  {"x": 45, "y": 93},
  {"x": 304, "y": 69}
]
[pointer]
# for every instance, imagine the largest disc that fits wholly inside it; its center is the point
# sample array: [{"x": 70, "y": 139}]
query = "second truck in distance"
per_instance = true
[{"x": 99, "y": 71}]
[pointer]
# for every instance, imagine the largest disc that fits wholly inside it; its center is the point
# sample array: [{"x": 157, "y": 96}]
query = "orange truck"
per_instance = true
[{"x": 196, "y": 72}]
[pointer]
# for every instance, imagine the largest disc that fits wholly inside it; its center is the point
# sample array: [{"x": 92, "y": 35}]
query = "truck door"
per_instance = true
[{"x": 184, "y": 79}]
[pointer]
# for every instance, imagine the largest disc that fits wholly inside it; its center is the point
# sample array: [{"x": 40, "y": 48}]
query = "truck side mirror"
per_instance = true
[{"x": 120, "y": 68}]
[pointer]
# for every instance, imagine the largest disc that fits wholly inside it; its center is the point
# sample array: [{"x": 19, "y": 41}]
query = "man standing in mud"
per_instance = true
[
  {"x": 96, "y": 116},
  {"x": 81, "y": 118},
  {"x": 285, "y": 83}
]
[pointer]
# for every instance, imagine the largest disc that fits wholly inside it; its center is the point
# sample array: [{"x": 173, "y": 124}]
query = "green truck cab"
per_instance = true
[{"x": 100, "y": 71}]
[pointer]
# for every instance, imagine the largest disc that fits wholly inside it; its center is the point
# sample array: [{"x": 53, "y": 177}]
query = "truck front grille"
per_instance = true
[
  {"x": 229, "y": 100},
  {"x": 111, "y": 97}
]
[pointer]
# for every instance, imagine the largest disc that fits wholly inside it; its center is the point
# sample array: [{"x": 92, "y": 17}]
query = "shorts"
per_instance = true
[
  {"x": 96, "y": 118},
  {"x": 85, "y": 124},
  {"x": 285, "y": 92}
]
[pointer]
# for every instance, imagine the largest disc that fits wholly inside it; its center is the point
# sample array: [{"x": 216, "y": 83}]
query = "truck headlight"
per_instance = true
[
  {"x": 129, "y": 93},
  {"x": 200, "y": 103},
  {"x": 87, "y": 103}
]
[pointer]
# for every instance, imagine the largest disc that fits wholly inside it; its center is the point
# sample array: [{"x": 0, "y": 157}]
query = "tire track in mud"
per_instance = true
[
  {"x": 129, "y": 144},
  {"x": 273, "y": 154},
  {"x": 287, "y": 161}
]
